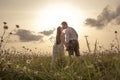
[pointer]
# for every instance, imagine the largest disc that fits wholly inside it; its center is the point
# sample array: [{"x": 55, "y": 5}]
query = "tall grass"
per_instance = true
[
  {"x": 28, "y": 65},
  {"x": 20, "y": 66},
  {"x": 4, "y": 37}
]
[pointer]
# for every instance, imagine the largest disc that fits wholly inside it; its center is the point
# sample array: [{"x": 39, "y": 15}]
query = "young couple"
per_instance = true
[{"x": 69, "y": 39}]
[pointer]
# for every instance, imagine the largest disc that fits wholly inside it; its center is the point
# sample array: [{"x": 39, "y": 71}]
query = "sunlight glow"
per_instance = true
[{"x": 54, "y": 14}]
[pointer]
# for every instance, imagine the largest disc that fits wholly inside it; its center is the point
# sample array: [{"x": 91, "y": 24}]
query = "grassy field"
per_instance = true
[
  {"x": 28, "y": 65},
  {"x": 16, "y": 65}
]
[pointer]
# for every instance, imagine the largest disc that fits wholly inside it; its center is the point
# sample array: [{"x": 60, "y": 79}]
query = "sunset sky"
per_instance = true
[{"x": 38, "y": 20}]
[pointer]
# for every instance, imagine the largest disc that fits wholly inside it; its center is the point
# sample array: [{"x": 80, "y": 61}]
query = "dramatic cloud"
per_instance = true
[
  {"x": 47, "y": 33},
  {"x": 27, "y": 36},
  {"x": 104, "y": 18}
]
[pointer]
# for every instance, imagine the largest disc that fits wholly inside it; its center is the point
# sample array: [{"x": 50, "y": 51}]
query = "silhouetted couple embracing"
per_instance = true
[{"x": 65, "y": 40}]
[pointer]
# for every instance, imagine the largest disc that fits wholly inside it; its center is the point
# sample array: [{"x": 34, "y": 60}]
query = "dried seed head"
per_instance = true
[
  {"x": 10, "y": 33},
  {"x": 2, "y": 40},
  {"x": 4, "y": 22},
  {"x": 115, "y": 32},
  {"x": 17, "y": 26},
  {"x": 5, "y": 27}
]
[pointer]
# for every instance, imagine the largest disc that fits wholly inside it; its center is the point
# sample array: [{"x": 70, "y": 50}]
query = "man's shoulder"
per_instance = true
[{"x": 69, "y": 28}]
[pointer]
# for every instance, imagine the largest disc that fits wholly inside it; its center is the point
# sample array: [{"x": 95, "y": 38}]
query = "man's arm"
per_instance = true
[{"x": 75, "y": 32}]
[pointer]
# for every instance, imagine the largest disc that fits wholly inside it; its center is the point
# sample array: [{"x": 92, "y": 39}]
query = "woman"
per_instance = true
[{"x": 58, "y": 47}]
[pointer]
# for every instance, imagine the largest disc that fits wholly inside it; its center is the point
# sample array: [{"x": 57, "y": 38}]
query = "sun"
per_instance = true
[{"x": 52, "y": 15}]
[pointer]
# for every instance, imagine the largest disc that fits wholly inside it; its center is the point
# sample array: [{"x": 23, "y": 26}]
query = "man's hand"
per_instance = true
[{"x": 66, "y": 45}]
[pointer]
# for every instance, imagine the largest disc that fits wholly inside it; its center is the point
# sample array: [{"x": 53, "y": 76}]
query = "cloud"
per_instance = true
[
  {"x": 118, "y": 21},
  {"x": 47, "y": 33},
  {"x": 104, "y": 18},
  {"x": 27, "y": 36}
]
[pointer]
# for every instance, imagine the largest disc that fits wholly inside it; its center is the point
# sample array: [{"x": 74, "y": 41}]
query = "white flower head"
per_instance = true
[
  {"x": 2, "y": 59},
  {"x": 66, "y": 67},
  {"x": 9, "y": 63},
  {"x": 17, "y": 66},
  {"x": 90, "y": 66},
  {"x": 24, "y": 68},
  {"x": 36, "y": 72},
  {"x": 28, "y": 61},
  {"x": 57, "y": 74},
  {"x": 28, "y": 70},
  {"x": 99, "y": 60}
]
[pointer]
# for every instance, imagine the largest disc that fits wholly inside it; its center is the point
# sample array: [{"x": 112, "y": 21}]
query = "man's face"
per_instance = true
[{"x": 64, "y": 26}]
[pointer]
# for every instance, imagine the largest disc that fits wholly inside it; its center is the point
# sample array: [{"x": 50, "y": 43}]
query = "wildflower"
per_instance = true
[
  {"x": 8, "y": 63},
  {"x": 28, "y": 61},
  {"x": 2, "y": 59},
  {"x": 4, "y": 69},
  {"x": 17, "y": 66},
  {"x": 17, "y": 26},
  {"x": 99, "y": 61},
  {"x": 36, "y": 72},
  {"x": 28, "y": 70},
  {"x": 98, "y": 56},
  {"x": 66, "y": 67},
  {"x": 90, "y": 66},
  {"x": 79, "y": 77},
  {"x": 56, "y": 74},
  {"x": 24, "y": 68},
  {"x": 75, "y": 73}
]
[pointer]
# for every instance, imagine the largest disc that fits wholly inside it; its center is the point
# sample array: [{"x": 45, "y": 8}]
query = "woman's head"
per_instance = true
[
  {"x": 59, "y": 30},
  {"x": 58, "y": 40}
]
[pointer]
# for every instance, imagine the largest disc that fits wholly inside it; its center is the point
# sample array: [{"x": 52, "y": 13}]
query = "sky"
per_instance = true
[{"x": 38, "y": 20}]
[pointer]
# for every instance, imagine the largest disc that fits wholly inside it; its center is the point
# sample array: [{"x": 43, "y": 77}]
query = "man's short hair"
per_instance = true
[{"x": 64, "y": 23}]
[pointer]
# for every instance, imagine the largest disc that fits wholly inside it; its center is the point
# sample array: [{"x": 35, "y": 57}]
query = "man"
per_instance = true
[{"x": 72, "y": 44}]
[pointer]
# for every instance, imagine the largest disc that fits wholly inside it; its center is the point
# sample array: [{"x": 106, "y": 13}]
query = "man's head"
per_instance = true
[{"x": 64, "y": 25}]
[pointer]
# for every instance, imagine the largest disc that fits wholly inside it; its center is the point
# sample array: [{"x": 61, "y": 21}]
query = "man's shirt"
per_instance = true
[{"x": 71, "y": 34}]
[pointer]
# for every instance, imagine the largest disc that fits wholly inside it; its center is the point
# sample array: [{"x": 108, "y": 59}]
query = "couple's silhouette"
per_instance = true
[{"x": 67, "y": 40}]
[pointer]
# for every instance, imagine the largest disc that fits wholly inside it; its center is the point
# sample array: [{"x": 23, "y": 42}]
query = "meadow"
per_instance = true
[
  {"x": 16, "y": 65},
  {"x": 28, "y": 65}
]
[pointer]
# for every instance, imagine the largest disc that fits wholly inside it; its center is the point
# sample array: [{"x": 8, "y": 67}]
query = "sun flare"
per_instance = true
[{"x": 54, "y": 14}]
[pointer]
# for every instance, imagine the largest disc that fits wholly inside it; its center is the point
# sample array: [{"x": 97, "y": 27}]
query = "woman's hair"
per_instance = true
[{"x": 58, "y": 40}]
